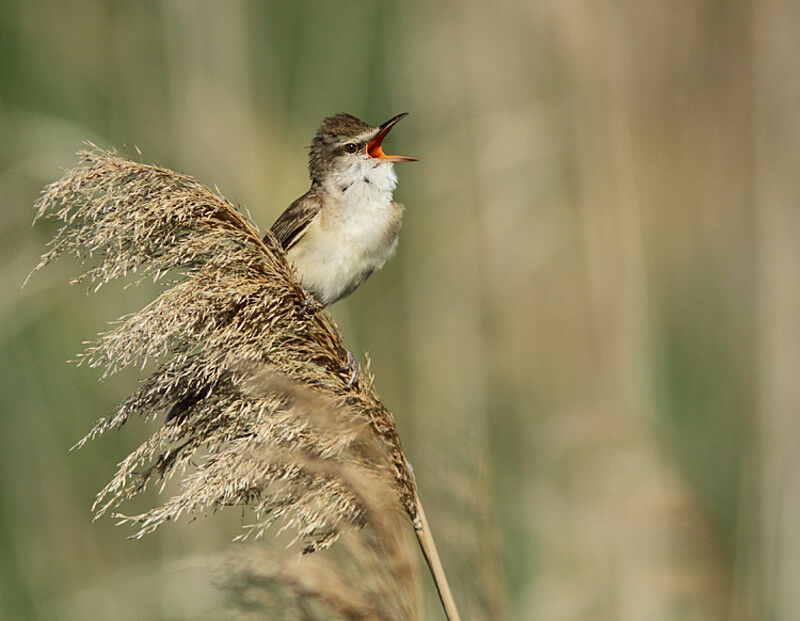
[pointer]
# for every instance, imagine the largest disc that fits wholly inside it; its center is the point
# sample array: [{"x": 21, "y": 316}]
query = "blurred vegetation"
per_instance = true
[{"x": 590, "y": 335}]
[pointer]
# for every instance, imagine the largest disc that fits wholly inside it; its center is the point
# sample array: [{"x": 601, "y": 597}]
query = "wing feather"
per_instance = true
[{"x": 293, "y": 223}]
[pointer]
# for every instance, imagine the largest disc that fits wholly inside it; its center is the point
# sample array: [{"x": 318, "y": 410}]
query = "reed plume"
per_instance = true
[
  {"x": 230, "y": 334},
  {"x": 370, "y": 575}
]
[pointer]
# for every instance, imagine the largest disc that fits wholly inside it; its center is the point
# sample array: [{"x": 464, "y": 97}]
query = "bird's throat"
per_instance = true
[{"x": 362, "y": 184}]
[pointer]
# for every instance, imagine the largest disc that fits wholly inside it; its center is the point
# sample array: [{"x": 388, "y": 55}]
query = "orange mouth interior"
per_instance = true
[{"x": 374, "y": 148}]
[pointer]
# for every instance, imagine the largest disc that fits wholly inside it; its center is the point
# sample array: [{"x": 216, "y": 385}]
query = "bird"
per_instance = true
[{"x": 344, "y": 227}]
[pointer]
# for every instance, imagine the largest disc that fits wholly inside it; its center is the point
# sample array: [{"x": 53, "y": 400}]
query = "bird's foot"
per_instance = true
[
  {"x": 310, "y": 304},
  {"x": 352, "y": 368}
]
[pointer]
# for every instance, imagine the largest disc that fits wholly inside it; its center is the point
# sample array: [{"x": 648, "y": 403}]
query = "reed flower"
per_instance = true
[{"x": 251, "y": 381}]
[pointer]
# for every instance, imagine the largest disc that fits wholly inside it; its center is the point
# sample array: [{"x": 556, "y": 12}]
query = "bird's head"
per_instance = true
[{"x": 346, "y": 146}]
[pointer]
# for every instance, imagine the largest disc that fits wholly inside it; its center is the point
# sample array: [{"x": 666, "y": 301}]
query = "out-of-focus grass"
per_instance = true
[{"x": 574, "y": 299}]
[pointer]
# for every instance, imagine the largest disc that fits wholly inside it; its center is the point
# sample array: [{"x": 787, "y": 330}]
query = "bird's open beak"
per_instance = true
[{"x": 374, "y": 149}]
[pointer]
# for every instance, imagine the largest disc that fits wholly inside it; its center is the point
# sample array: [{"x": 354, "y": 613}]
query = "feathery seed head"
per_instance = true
[{"x": 254, "y": 378}]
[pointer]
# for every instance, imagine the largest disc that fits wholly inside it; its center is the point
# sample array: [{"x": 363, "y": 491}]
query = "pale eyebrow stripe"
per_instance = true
[{"x": 363, "y": 137}]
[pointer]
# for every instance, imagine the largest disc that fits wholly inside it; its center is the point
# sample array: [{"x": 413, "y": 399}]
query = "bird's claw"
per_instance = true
[
  {"x": 352, "y": 368},
  {"x": 310, "y": 304}
]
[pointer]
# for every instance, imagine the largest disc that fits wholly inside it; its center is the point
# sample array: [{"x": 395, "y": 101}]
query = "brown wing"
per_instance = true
[{"x": 292, "y": 223}]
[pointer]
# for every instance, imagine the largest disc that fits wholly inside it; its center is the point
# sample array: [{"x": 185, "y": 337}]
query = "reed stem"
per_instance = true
[{"x": 425, "y": 538}]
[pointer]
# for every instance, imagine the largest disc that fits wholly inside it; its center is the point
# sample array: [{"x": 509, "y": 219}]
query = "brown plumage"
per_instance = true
[
  {"x": 329, "y": 141},
  {"x": 292, "y": 223}
]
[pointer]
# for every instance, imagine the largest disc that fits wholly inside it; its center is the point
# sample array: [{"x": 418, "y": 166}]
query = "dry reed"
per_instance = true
[
  {"x": 231, "y": 313},
  {"x": 372, "y": 577}
]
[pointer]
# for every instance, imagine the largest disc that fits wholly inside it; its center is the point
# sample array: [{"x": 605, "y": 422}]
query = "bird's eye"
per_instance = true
[{"x": 351, "y": 147}]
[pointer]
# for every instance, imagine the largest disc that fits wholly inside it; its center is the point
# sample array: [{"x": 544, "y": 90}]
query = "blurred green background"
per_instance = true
[{"x": 590, "y": 335}]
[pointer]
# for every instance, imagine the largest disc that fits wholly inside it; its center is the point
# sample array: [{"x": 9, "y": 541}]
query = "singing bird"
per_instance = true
[{"x": 346, "y": 225}]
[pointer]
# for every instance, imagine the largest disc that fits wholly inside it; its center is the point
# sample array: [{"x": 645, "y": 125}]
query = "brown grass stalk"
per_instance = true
[{"x": 232, "y": 312}]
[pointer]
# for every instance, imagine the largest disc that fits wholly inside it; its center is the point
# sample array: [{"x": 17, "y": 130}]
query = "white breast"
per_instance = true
[{"x": 353, "y": 235}]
